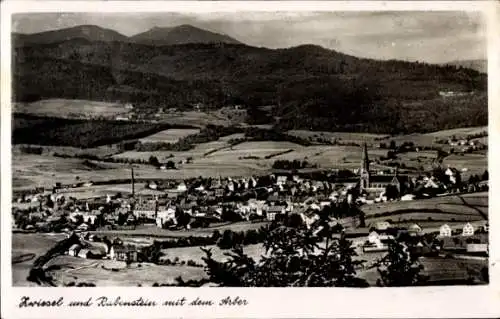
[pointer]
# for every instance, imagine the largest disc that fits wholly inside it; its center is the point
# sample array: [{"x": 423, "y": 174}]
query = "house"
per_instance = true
[
  {"x": 165, "y": 215},
  {"x": 73, "y": 250},
  {"x": 89, "y": 219},
  {"x": 153, "y": 185},
  {"x": 84, "y": 253},
  {"x": 181, "y": 187},
  {"x": 381, "y": 226},
  {"x": 219, "y": 192},
  {"x": 123, "y": 253},
  {"x": 445, "y": 231},
  {"x": 273, "y": 211},
  {"x": 415, "y": 230},
  {"x": 468, "y": 230},
  {"x": 146, "y": 209},
  {"x": 83, "y": 227},
  {"x": 376, "y": 242},
  {"x": 281, "y": 179},
  {"x": 407, "y": 197}
]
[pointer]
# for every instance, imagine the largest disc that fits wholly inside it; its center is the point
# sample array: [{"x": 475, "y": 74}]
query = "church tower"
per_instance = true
[{"x": 364, "y": 173}]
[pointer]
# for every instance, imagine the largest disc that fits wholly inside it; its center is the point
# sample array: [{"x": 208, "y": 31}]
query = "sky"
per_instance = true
[{"x": 430, "y": 36}]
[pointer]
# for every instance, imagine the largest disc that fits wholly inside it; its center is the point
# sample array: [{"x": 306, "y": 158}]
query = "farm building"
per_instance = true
[
  {"x": 445, "y": 231},
  {"x": 273, "y": 211},
  {"x": 84, "y": 253},
  {"x": 414, "y": 229},
  {"x": 468, "y": 230},
  {"x": 165, "y": 215},
  {"x": 182, "y": 187},
  {"x": 146, "y": 209},
  {"x": 382, "y": 226},
  {"x": 123, "y": 253},
  {"x": 73, "y": 250}
]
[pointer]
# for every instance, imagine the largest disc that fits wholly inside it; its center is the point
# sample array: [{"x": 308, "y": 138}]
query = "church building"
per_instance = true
[{"x": 375, "y": 183}]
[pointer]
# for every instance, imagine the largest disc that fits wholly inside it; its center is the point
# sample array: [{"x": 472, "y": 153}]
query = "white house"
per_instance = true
[
  {"x": 415, "y": 229},
  {"x": 272, "y": 211},
  {"x": 407, "y": 197},
  {"x": 445, "y": 231},
  {"x": 83, "y": 253},
  {"x": 468, "y": 230},
  {"x": 281, "y": 180},
  {"x": 374, "y": 242},
  {"x": 73, "y": 250},
  {"x": 182, "y": 187},
  {"x": 382, "y": 225},
  {"x": 165, "y": 215}
]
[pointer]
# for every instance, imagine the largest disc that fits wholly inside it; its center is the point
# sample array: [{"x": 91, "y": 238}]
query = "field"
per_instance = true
[
  {"x": 169, "y": 136},
  {"x": 196, "y": 254},
  {"x": 429, "y": 139},
  {"x": 31, "y": 171},
  {"x": 100, "y": 151},
  {"x": 71, "y": 108},
  {"x": 73, "y": 269},
  {"x": 473, "y": 163},
  {"x": 26, "y": 248},
  {"x": 342, "y": 137},
  {"x": 39, "y": 170},
  {"x": 197, "y": 119},
  {"x": 149, "y": 231},
  {"x": 455, "y": 209}
]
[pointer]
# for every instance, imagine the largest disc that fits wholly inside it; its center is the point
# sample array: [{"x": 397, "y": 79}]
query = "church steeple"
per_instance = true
[
  {"x": 364, "y": 173},
  {"x": 365, "y": 161}
]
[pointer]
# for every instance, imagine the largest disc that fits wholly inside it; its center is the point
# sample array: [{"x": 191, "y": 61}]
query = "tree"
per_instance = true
[
  {"x": 399, "y": 267},
  {"x": 153, "y": 160},
  {"x": 485, "y": 176},
  {"x": 122, "y": 218},
  {"x": 295, "y": 257},
  {"x": 391, "y": 192},
  {"x": 170, "y": 164},
  {"x": 182, "y": 218},
  {"x": 392, "y": 145}
]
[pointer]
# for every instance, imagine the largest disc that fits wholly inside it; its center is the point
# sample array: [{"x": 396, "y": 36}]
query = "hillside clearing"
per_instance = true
[
  {"x": 169, "y": 136},
  {"x": 71, "y": 108}
]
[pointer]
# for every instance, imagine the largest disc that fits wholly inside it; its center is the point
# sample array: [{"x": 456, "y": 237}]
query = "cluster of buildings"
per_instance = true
[
  {"x": 466, "y": 238},
  {"x": 207, "y": 200}
]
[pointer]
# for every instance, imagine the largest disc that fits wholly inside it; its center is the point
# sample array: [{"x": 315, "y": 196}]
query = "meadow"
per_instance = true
[
  {"x": 69, "y": 269},
  {"x": 169, "y": 136},
  {"x": 151, "y": 231},
  {"x": 31, "y": 245},
  {"x": 71, "y": 108},
  {"x": 431, "y": 212}
]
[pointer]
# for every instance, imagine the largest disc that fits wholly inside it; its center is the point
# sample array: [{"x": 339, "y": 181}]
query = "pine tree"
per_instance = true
[
  {"x": 399, "y": 267},
  {"x": 295, "y": 257}
]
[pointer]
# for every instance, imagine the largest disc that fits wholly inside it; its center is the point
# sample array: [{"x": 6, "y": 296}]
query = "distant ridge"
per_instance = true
[
  {"x": 309, "y": 87},
  {"x": 480, "y": 65},
  {"x": 183, "y": 34},
  {"x": 87, "y": 32}
]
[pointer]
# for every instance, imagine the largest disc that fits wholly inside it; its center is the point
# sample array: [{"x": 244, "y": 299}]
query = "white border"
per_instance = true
[{"x": 470, "y": 302}]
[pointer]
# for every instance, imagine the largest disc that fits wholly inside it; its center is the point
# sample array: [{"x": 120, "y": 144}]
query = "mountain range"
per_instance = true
[
  {"x": 308, "y": 86},
  {"x": 156, "y": 36},
  {"x": 480, "y": 65}
]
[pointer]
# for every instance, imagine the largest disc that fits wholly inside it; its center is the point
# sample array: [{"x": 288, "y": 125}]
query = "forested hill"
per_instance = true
[{"x": 310, "y": 87}]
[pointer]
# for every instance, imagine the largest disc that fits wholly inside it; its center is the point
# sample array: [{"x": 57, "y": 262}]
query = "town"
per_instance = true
[
  {"x": 301, "y": 198},
  {"x": 179, "y": 156}
]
